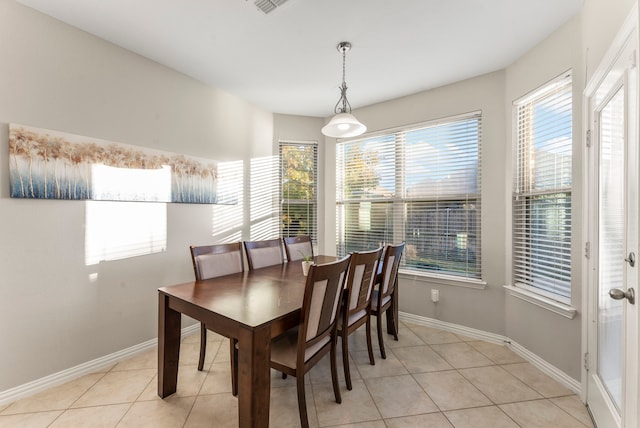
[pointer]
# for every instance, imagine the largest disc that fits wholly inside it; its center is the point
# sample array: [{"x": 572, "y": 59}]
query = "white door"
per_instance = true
[{"x": 612, "y": 310}]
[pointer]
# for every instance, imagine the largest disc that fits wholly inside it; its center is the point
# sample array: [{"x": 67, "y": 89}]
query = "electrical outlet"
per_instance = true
[{"x": 435, "y": 295}]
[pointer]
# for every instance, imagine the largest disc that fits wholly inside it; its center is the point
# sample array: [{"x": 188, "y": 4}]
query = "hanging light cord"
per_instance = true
[{"x": 346, "y": 107}]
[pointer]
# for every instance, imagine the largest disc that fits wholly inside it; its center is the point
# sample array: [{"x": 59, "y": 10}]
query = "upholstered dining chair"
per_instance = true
[
  {"x": 212, "y": 261},
  {"x": 356, "y": 310},
  {"x": 298, "y": 247},
  {"x": 297, "y": 350},
  {"x": 263, "y": 253},
  {"x": 384, "y": 297}
]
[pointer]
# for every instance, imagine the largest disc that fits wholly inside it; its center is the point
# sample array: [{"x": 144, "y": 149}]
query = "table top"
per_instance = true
[{"x": 252, "y": 298}]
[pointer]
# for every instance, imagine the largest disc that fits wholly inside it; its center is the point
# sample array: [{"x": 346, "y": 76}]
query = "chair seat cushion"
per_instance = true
[
  {"x": 353, "y": 318},
  {"x": 284, "y": 348},
  {"x": 374, "y": 300}
]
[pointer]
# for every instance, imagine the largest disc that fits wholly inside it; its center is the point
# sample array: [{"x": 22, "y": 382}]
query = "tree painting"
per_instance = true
[{"x": 52, "y": 165}]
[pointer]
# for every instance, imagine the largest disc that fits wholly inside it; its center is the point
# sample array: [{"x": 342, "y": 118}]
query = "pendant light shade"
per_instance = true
[{"x": 343, "y": 124}]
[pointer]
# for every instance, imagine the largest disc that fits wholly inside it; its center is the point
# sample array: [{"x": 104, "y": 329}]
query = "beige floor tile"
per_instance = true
[
  {"x": 222, "y": 354},
  {"x": 499, "y": 354},
  {"x": 540, "y": 414},
  {"x": 537, "y": 380},
  {"x": 498, "y": 384},
  {"x": 433, "y": 336},
  {"x": 3, "y": 407},
  {"x": 481, "y": 417},
  {"x": 102, "y": 416},
  {"x": 406, "y": 337},
  {"x": 358, "y": 340},
  {"x": 390, "y": 366},
  {"x": 433, "y": 420},
  {"x": 461, "y": 355},
  {"x": 357, "y": 405},
  {"x": 321, "y": 372},
  {"x": 56, "y": 398},
  {"x": 31, "y": 420},
  {"x": 283, "y": 409},
  {"x": 214, "y": 411},
  {"x": 397, "y": 396},
  {"x": 450, "y": 390},
  {"x": 575, "y": 408},
  {"x": 420, "y": 359},
  {"x": 190, "y": 381},
  {"x": 372, "y": 424},
  {"x": 168, "y": 413},
  {"x": 217, "y": 379},
  {"x": 190, "y": 353},
  {"x": 195, "y": 337},
  {"x": 145, "y": 360},
  {"x": 116, "y": 387}
]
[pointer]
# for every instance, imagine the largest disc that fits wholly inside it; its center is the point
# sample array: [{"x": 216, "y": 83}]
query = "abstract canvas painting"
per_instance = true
[{"x": 48, "y": 164}]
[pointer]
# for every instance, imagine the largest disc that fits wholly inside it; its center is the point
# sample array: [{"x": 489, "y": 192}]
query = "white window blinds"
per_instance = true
[
  {"x": 542, "y": 190},
  {"x": 298, "y": 178},
  {"x": 419, "y": 184}
]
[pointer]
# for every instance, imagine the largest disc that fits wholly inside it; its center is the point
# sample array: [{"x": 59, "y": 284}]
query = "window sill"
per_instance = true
[
  {"x": 435, "y": 278},
  {"x": 562, "y": 309}
]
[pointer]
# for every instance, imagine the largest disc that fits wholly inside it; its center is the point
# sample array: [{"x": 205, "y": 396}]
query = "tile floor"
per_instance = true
[{"x": 431, "y": 378}]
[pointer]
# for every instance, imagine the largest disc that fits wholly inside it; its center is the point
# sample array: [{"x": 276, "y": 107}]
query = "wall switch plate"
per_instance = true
[{"x": 435, "y": 295}]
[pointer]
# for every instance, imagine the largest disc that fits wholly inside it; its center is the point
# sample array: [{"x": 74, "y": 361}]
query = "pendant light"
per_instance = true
[{"x": 343, "y": 124}]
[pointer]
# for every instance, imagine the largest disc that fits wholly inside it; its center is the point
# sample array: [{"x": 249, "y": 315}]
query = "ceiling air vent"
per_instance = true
[{"x": 268, "y": 5}]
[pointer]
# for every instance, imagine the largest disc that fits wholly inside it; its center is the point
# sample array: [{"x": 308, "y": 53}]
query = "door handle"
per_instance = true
[
  {"x": 617, "y": 294},
  {"x": 631, "y": 259}
]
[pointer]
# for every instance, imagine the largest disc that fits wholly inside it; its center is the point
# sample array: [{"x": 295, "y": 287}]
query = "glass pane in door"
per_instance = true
[{"x": 611, "y": 245}]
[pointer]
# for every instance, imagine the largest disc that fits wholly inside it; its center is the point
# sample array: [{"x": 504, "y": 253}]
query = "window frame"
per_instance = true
[
  {"x": 399, "y": 201},
  {"x": 312, "y": 202},
  {"x": 521, "y": 205}
]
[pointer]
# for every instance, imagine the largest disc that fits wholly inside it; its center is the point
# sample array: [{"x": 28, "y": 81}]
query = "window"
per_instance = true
[
  {"x": 298, "y": 178},
  {"x": 419, "y": 184},
  {"x": 542, "y": 190}
]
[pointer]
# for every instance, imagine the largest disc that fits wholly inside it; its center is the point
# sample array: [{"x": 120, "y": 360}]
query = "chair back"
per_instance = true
[
  {"x": 320, "y": 307},
  {"x": 363, "y": 269},
  {"x": 298, "y": 247},
  {"x": 211, "y": 261},
  {"x": 264, "y": 253},
  {"x": 390, "y": 265}
]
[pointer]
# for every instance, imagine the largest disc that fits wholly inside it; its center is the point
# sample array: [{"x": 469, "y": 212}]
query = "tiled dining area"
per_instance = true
[{"x": 431, "y": 378}]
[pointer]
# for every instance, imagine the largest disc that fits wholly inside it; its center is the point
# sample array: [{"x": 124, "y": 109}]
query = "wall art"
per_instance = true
[{"x": 45, "y": 164}]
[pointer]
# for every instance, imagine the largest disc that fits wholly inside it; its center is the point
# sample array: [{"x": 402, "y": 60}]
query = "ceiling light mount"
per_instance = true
[{"x": 343, "y": 124}]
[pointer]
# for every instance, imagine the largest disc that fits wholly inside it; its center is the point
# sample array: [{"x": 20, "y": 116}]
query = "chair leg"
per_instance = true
[
  {"x": 302, "y": 402},
  {"x": 380, "y": 339},
  {"x": 203, "y": 346},
  {"x": 234, "y": 366},
  {"x": 334, "y": 372},
  {"x": 369, "y": 345},
  {"x": 345, "y": 359},
  {"x": 394, "y": 326}
]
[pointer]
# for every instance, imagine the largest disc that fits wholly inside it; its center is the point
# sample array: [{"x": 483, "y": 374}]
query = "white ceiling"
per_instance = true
[{"x": 286, "y": 61}]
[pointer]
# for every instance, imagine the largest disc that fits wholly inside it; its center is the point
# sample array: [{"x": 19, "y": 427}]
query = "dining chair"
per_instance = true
[
  {"x": 297, "y": 350},
  {"x": 263, "y": 253},
  {"x": 384, "y": 296},
  {"x": 356, "y": 310},
  {"x": 212, "y": 261},
  {"x": 298, "y": 247}
]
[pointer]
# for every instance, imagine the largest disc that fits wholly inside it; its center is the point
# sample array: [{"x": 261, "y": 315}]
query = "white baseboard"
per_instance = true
[
  {"x": 33, "y": 387},
  {"x": 544, "y": 366}
]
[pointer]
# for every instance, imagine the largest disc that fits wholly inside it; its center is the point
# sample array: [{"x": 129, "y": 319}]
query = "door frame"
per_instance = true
[{"x": 628, "y": 30}]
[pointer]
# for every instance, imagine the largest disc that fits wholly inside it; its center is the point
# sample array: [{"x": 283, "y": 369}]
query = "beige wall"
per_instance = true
[{"x": 56, "y": 77}]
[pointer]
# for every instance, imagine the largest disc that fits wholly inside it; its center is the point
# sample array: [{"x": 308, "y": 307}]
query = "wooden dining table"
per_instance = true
[{"x": 254, "y": 307}]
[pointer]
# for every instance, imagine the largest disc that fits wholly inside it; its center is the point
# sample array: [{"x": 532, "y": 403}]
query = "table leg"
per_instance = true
[
  {"x": 254, "y": 377},
  {"x": 168, "y": 347}
]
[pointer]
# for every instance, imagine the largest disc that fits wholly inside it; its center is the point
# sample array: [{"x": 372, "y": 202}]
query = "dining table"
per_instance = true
[{"x": 253, "y": 306}]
